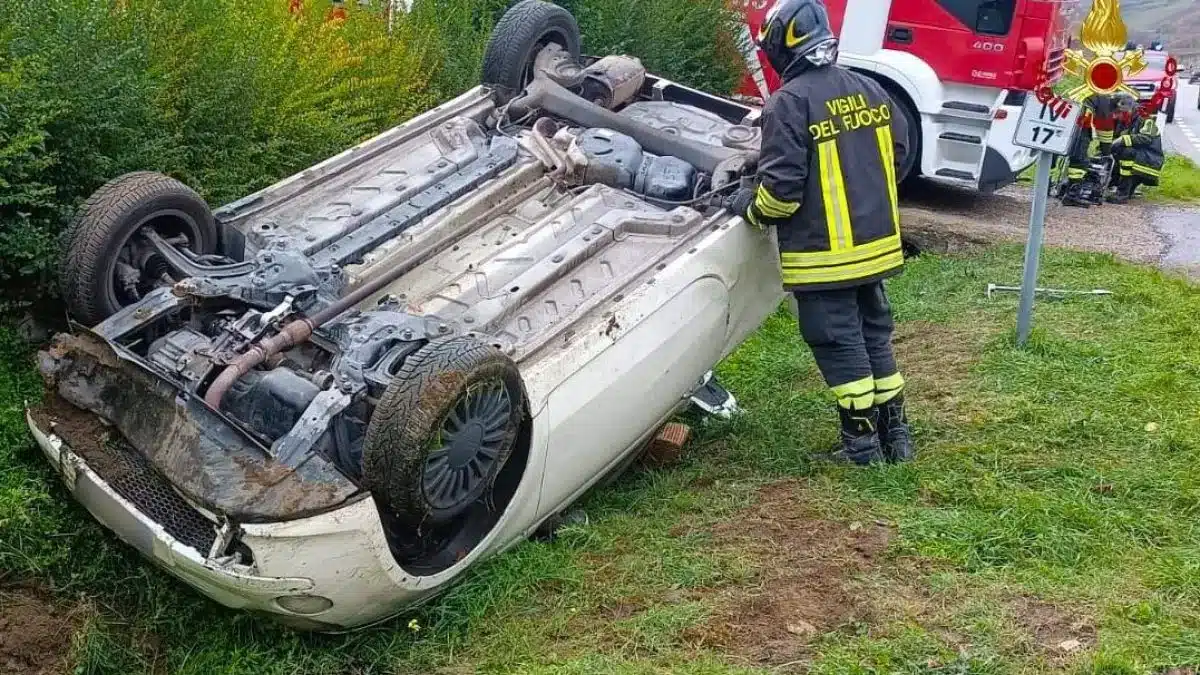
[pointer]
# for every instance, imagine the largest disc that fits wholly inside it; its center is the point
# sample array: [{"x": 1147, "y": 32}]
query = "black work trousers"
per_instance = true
[{"x": 850, "y": 333}]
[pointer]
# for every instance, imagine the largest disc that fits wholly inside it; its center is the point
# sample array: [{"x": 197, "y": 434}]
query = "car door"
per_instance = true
[{"x": 667, "y": 340}]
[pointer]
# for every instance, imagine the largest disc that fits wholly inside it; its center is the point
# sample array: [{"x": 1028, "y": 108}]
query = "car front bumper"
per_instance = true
[{"x": 326, "y": 573}]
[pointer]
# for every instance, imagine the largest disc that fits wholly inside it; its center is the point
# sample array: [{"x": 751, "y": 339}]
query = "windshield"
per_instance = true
[{"x": 1156, "y": 60}]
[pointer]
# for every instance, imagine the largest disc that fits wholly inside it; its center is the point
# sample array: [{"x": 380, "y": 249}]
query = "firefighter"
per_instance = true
[
  {"x": 832, "y": 142},
  {"x": 1084, "y": 187},
  {"x": 1138, "y": 150}
]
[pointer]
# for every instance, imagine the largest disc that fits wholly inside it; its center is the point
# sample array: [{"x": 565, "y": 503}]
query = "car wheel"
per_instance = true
[
  {"x": 443, "y": 430},
  {"x": 1171, "y": 110},
  {"x": 106, "y": 266},
  {"x": 519, "y": 36}
]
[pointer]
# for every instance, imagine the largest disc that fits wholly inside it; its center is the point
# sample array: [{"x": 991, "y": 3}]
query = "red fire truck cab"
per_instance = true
[{"x": 959, "y": 70}]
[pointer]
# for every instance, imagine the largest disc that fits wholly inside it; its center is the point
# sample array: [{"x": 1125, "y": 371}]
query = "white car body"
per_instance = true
[{"x": 660, "y": 296}]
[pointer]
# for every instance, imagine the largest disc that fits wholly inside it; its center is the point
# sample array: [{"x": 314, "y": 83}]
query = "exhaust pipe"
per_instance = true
[{"x": 545, "y": 94}]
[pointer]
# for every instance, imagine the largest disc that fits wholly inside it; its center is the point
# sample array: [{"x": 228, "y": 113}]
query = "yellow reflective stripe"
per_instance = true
[
  {"x": 1076, "y": 173},
  {"x": 888, "y": 388},
  {"x": 833, "y": 194},
  {"x": 856, "y": 388},
  {"x": 1104, "y": 136},
  {"x": 859, "y": 394},
  {"x": 890, "y": 382},
  {"x": 772, "y": 207},
  {"x": 798, "y": 276},
  {"x": 887, "y": 155},
  {"x": 863, "y": 402},
  {"x": 882, "y": 397},
  {"x": 827, "y": 258},
  {"x": 825, "y": 166},
  {"x": 844, "y": 228}
]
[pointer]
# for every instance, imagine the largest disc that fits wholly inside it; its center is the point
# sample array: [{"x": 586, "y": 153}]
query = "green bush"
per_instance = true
[{"x": 231, "y": 95}]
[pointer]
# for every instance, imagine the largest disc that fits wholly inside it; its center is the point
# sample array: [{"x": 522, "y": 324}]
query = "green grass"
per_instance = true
[
  {"x": 1180, "y": 180},
  {"x": 1056, "y": 481}
]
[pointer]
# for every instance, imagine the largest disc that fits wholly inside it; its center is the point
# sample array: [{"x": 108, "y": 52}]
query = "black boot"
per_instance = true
[
  {"x": 1073, "y": 195},
  {"x": 860, "y": 439},
  {"x": 1124, "y": 191},
  {"x": 894, "y": 433}
]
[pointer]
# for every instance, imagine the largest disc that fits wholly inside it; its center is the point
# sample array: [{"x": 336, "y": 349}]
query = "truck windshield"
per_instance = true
[
  {"x": 1156, "y": 60},
  {"x": 988, "y": 17}
]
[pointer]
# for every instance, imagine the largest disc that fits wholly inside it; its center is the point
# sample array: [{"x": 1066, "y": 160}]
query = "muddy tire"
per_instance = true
[
  {"x": 442, "y": 431},
  {"x": 521, "y": 33},
  {"x": 105, "y": 225}
]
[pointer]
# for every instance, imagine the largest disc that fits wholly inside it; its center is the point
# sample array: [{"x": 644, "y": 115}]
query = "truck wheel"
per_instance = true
[
  {"x": 442, "y": 431},
  {"x": 1171, "y": 110},
  {"x": 911, "y": 167},
  {"x": 105, "y": 265},
  {"x": 519, "y": 36}
]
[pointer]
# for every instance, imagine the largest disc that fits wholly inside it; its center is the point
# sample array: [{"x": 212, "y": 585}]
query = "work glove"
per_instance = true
[{"x": 742, "y": 202}]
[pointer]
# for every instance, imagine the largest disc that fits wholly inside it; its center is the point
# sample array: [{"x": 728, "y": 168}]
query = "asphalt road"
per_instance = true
[{"x": 1183, "y": 136}]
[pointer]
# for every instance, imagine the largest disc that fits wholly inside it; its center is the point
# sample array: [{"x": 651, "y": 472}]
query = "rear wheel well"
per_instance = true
[{"x": 902, "y": 97}]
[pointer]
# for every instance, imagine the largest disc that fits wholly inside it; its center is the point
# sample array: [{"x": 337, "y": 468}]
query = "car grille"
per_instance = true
[{"x": 132, "y": 477}]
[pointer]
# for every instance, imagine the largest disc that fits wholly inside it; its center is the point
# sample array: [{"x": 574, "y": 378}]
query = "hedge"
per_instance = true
[{"x": 231, "y": 95}]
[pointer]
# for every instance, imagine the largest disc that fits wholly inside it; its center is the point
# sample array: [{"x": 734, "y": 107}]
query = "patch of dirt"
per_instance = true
[
  {"x": 82, "y": 431},
  {"x": 35, "y": 633},
  {"x": 1056, "y": 633},
  {"x": 945, "y": 220},
  {"x": 806, "y": 577},
  {"x": 938, "y": 360}
]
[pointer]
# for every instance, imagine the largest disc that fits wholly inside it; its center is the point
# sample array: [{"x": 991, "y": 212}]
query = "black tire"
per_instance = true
[
  {"x": 910, "y": 168},
  {"x": 1170, "y": 109},
  {"x": 521, "y": 33},
  {"x": 106, "y": 223},
  {"x": 442, "y": 431}
]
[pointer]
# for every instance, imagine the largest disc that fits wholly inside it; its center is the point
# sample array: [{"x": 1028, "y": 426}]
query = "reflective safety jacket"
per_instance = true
[
  {"x": 1098, "y": 122},
  {"x": 1139, "y": 150},
  {"x": 832, "y": 142}
]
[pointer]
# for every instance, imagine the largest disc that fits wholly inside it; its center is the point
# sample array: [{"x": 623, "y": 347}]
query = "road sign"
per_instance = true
[
  {"x": 1033, "y": 247},
  {"x": 1048, "y": 127}
]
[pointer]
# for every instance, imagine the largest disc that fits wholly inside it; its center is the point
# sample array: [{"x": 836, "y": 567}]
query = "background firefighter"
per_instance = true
[
  {"x": 1137, "y": 149},
  {"x": 1085, "y": 186},
  {"x": 832, "y": 140}
]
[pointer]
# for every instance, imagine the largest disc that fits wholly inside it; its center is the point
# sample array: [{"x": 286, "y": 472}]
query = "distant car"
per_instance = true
[
  {"x": 1146, "y": 83},
  {"x": 329, "y": 400},
  {"x": 1194, "y": 77}
]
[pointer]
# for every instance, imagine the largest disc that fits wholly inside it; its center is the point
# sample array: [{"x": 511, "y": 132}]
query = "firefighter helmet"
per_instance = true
[
  {"x": 1125, "y": 104},
  {"x": 797, "y": 29}
]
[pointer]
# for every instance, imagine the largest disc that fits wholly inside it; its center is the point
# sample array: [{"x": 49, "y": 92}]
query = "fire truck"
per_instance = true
[{"x": 958, "y": 69}]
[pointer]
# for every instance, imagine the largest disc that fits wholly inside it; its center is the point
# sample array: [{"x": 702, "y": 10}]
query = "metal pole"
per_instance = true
[{"x": 1033, "y": 247}]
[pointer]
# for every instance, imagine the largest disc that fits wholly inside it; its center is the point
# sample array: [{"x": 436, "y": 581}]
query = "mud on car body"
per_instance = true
[{"x": 326, "y": 401}]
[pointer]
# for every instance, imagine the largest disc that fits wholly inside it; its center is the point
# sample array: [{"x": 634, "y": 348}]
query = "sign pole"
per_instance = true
[{"x": 1033, "y": 247}]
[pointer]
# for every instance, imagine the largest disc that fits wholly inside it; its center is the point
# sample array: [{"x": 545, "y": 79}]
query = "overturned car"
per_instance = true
[{"x": 328, "y": 400}]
